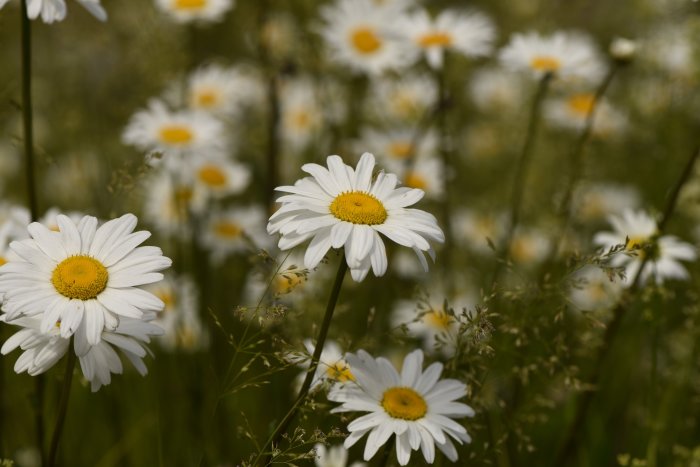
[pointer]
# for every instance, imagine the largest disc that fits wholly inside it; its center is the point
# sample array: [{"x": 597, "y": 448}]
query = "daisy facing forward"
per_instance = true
[
  {"x": 82, "y": 278},
  {"x": 415, "y": 405},
  {"x": 340, "y": 206}
]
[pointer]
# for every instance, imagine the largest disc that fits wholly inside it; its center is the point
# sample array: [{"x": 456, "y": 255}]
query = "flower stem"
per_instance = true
[
  {"x": 522, "y": 169},
  {"x": 275, "y": 438},
  {"x": 574, "y": 434},
  {"x": 445, "y": 149},
  {"x": 63, "y": 406}
]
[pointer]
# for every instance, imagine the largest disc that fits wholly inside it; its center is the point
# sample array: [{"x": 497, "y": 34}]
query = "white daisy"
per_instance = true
[
  {"x": 335, "y": 456},
  {"x": 496, "y": 90},
  {"x": 427, "y": 174},
  {"x": 404, "y": 100},
  {"x": 187, "y": 11},
  {"x": 220, "y": 90},
  {"x": 173, "y": 134},
  {"x": 395, "y": 146},
  {"x": 641, "y": 231},
  {"x": 593, "y": 290},
  {"x": 529, "y": 246},
  {"x": 567, "y": 55},
  {"x": 340, "y": 206},
  {"x": 235, "y": 230},
  {"x": 301, "y": 113},
  {"x": 216, "y": 178},
  {"x": 82, "y": 276},
  {"x": 469, "y": 33},
  {"x": 415, "y": 405},
  {"x": 332, "y": 366},
  {"x": 168, "y": 203},
  {"x": 573, "y": 111},
  {"x": 475, "y": 229},
  {"x": 364, "y": 37},
  {"x": 596, "y": 201},
  {"x": 55, "y": 10}
]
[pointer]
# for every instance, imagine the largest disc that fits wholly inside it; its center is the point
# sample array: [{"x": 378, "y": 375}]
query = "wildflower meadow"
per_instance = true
[{"x": 349, "y": 233}]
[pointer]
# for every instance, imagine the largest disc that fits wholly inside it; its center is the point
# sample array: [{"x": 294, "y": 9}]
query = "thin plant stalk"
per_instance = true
[
  {"x": 445, "y": 147},
  {"x": 521, "y": 172},
  {"x": 573, "y": 434},
  {"x": 276, "y": 436},
  {"x": 63, "y": 406}
]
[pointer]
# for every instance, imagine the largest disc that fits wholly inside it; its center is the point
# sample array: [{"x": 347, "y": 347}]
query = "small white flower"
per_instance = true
[
  {"x": 332, "y": 366},
  {"x": 593, "y": 290},
  {"x": 335, "y": 456},
  {"x": 496, "y": 90},
  {"x": 187, "y": 11},
  {"x": 168, "y": 203},
  {"x": 415, "y": 405},
  {"x": 301, "y": 113},
  {"x": 395, "y": 146},
  {"x": 221, "y": 90},
  {"x": 235, "y": 230},
  {"x": 216, "y": 178},
  {"x": 474, "y": 229},
  {"x": 573, "y": 111},
  {"x": 340, "y": 206},
  {"x": 55, "y": 10},
  {"x": 529, "y": 246},
  {"x": 404, "y": 100}
]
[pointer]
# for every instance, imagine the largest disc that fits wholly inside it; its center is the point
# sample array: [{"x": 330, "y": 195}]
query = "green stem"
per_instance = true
[
  {"x": 276, "y": 437},
  {"x": 63, "y": 406},
  {"x": 445, "y": 150}
]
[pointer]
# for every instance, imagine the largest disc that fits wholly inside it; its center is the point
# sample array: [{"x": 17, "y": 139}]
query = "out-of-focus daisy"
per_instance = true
[
  {"x": 182, "y": 327},
  {"x": 55, "y": 10},
  {"x": 672, "y": 49},
  {"x": 168, "y": 203},
  {"x": 395, "y": 146},
  {"x": 496, "y": 90},
  {"x": 623, "y": 49},
  {"x": 14, "y": 220},
  {"x": 364, "y": 37},
  {"x": 158, "y": 129},
  {"x": 427, "y": 174},
  {"x": 340, "y": 206},
  {"x": 638, "y": 232},
  {"x": 416, "y": 405},
  {"x": 572, "y": 112},
  {"x": 529, "y": 246},
  {"x": 302, "y": 113},
  {"x": 567, "y": 55},
  {"x": 220, "y": 90},
  {"x": 469, "y": 33},
  {"x": 405, "y": 99},
  {"x": 49, "y": 219},
  {"x": 335, "y": 456},
  {"x": 474, "y": 229},
  {"x": 187, "y": 11},
  {"x": 216, "y": 178},
  {"x": 235, "y": 230},
  {"x": 82, "y": 277},
  {"x": 593, "y": 290},
  {"x": 332, "y": 366},
  {"x": 595, "y": 202}
]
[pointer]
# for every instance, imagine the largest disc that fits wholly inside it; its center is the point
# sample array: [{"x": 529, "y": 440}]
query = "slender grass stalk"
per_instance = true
[
  {"x": 445, "y": 150},
  {"x": 521, "y": 172},
  {"x": 276, "y": 436},
  {"x": 573, "y": 435},
  {"x": 63, "y": 406}
]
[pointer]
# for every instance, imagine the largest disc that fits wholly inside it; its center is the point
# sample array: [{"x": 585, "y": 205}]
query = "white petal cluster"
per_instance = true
[
  {"x": 55, "y": 10},
  {"x": 195, "y": 11}
]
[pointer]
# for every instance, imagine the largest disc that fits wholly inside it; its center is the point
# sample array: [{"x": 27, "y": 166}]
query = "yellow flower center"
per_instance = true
[
  {"x": 176, "y": 134},
  {"x": 545, "y": 64},
  {"x": 404, "y": 103},
  {"x": 81, "y": 277},
  {"x": 206, "y": 98},
  {"x": 438, "y": 319},
  {"x": 435, "y": 39},
  {"x": 415, "y": 180},
  {"x": 404, "y": 403},
  {"x": 365, "y": 40},
  {"x": 167, "y": 297},
  {"x": 581, "y": 104},
  {"x": 522, "y": 250},
  {"x": 190, "y": 4},
  {"x": 358, "y": 207},
  {"x": 340, "y": 372},
  {"x": 2, "y": 260},
  {"x": 301, "y": 120},
  {"x": 212, "y": 176},
  {"x": 227, "y": 229},
  {"x": 400, "y": 149},
  {"x": 287, "y": 282}
]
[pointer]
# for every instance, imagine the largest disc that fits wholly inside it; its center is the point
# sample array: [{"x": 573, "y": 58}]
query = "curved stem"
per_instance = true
[
  {"x": 275, "y": 437},
  {"x": 63, "y": 406}
]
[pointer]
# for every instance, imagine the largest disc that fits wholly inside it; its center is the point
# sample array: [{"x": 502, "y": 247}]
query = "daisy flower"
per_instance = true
[
  {"x": 187, "y": 11},
  {"x": 82, "y": 277},
  {"x": 219, "y": 90},
  {"x": 638, "y": 232},
  {"x": 395, "y": 146},
  {"x": 335, "y": 456},
  {"x": 404, "y": 100},
  {"x": 235, "y": 230},
  {"x": 340, "y": 206},
  {"x": 529, "y": 246},
  {"x": 496, "y": 90},
  {"x": 216, "y": 178},
  {"x": 301, "y": 113},
  {"x": 572, "y": 112},
  {"x": 415, "y": 405},
  {"x": 168, "y": 203},
  {"x": 158, "y": 129},
  {"x": 475, "y": 229},
  {"x": 468, "y": 33},
  {"x": 55, "y": 10},
  {"x": 567, "y": 55},
  {"x": 364, "y": 37},
  {"x": 331, "y": 367},
  {"x": 595, "y": 202},
  {"x": 593, "y": 290}
]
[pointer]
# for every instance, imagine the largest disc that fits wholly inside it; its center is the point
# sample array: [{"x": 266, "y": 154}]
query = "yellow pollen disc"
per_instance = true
[
  {"x": 176, "y": 134},
  {"x": 415, "y": 180},
  {"x": 365, "y": 40},
  {"x": 81, "y": 277},
  {"x": 228, "y": 229},
  {"x": 287, "y": 282},
  {"x": 190, "y": 4},
  {"x": 545, "y": 64},
  {"x": 2, "y": 260},
  {"x": 206, "y": 99},
  {"x": 581, "y": 104},
  {"x": 438, "y": 319},
  {"x": 522, "y": 250},
  {"x": 212, "y": 176},
  {"x": 358, "y": 207},
  {"x": 597, "y": 291},
  {"x": 435, "y": 39},
  {"x": 400, "y": 149},
  {"x": 404, "y": 103},
  {"x": 54, "y": 228},
  {"x": 404, "y": 403},
  {"x": 340, "y": 372},
  {"x": 301, "y": 120}
]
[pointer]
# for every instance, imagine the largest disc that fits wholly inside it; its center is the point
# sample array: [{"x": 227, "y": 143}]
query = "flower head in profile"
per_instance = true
[
  {"x": 339, "y": 206},
  {"x": 201, "y": 11},
  {"x": 332, "y": 366},
  {"x": 82, "y": 279},
  {"x": 638, "y": 232},
  {"x": 55, "y": 10},
  {"x": 566, "y": 55},
  {"x": 234, "y": 230},
  {"x": 415, "y": 405}
]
